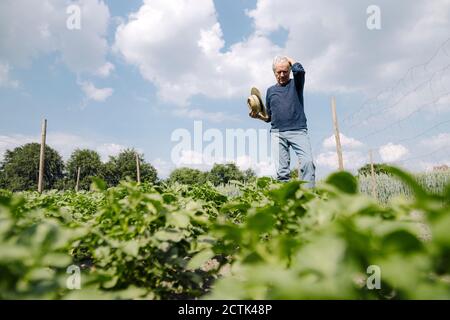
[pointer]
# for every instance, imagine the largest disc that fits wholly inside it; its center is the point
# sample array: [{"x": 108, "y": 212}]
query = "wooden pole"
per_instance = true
[
  {"x": 336, "y": 134},
  {"x": 42, "y": 156},
  {"x": 138, "y": 172},
  {"x": 78, "y": 179},
  {"x": 372, "y": 173}
]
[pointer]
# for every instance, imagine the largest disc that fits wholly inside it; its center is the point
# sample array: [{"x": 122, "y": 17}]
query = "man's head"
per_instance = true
[{"x": 281, "y": 69}]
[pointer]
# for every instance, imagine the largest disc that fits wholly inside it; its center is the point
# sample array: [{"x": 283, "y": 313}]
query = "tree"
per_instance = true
[
  {"x": 90, "y": 166},
  {"x": 187, "y": 176},
  {"x": 223, "y": 173},
  {"x": 124, "y": 165},
  {"x": 2, "y": 179},
  {"x": 378, "y": 168},
  {"x": 20, "y": 168},
  {"x": 249, "y": 175}
]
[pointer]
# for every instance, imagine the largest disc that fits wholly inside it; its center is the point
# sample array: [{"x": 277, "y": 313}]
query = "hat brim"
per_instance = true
[
  {"x": 254, "y": 104},
  {"x": 255, "y": 92}
]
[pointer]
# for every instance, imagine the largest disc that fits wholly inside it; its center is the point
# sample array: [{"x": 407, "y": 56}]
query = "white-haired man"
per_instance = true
[{"x": 285, "y": 112}]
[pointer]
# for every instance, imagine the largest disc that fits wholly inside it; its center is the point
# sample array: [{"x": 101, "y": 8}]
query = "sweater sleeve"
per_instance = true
[
  {"x": 269, "y": 111},
  {"x": 268, "y": 106},
  {"x": 299, "y": 76}
]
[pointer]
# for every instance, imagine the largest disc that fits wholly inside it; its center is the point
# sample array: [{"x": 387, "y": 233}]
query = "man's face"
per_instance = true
[{"x": 282, "y": 72}]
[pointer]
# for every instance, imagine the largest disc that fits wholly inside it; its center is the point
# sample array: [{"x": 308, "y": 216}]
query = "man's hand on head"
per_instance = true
[{"x": 291, "y": 61}]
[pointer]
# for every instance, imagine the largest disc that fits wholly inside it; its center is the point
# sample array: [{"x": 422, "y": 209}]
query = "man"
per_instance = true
[{"x": 285, "y": 112}]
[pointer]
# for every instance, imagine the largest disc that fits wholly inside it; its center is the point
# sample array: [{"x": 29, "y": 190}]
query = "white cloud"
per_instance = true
[
  {"x": 392, "y": 152},
  {"x": 441, "y": 140},
  {"x": 96, "y": 94},
  {"x": 29, "y": 29},
  {"x": 424, "y": 165},
  {"x": 351, "y": 159},
  {"x": 194, "y": 159},
  {"x": 5, "y": 80},
  {"x": 261, "y": 168},
  {"x": 9, "y": 142},
  {"x": 244, "y": 162},
  {"x": 341, "y": 54},
  {"x": 423, "y": 93},
  {"x": 347, "y": 142},
  {"x": 163, "y": 167},
  {"x": 211, "y": 40},
  {"x": 444, "y": 102},
  {"x": 107, "y": 150},
  {"x": 154, "y": 37},
  {"x": 105, "y": 70},
  {"x": 64, "y": 143},
  {"x": 200, "y": 161},
  {"x": 190, "y": 157},
  {"x": 198, "y": 114},
  {"x": 265, "y": 168}
]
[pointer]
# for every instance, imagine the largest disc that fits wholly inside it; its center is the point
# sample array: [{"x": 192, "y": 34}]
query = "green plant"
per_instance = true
[{"x": 258, "y": 240}]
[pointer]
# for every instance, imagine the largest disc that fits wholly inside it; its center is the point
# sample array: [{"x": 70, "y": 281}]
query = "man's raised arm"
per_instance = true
[{"x": 299, "y": 74}]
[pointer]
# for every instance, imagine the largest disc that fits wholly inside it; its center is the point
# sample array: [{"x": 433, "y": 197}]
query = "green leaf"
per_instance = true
[
  {"x": 10, "y": 252},
  {"x": 98, "y": 184},
  {"x": 169, "y": 198},
  {"x": 401, "y": 241},
  {"x": 178, "y": 219},
  {"x": 261, "y": 222},
  {"x": 131, "y": 248},
  {"x": 57, "y": 260},
  {"x": 263, "y": 182},
  {"x": 441, "y": 231},
  {"x": 199, "y": 259},
  {"x": 131, "y": 293},
  {"x": 169, "y": 235},
  {"x": 111, "y": 283},
  {"x": 286, "y": 191},
  {"x": 344, "y": 181}
]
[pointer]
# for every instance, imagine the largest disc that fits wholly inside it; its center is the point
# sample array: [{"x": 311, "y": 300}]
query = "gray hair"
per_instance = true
[{"x": 278, "y": 60}]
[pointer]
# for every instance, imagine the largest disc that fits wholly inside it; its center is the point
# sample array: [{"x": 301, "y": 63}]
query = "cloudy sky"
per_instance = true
[{"x": 133, "y": 72}]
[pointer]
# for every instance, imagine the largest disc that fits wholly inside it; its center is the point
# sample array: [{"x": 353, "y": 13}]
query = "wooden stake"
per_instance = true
[
  {"x": 138, "y": 172},
  {"x": 78, "y": 179},
  {"x": 42, "y": 156},
  {"x": 336, "y": 134},
  {"x": 372, "y": 172}
]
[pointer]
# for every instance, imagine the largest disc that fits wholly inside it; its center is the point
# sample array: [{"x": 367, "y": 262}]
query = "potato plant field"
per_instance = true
[{"x": 267, "y": 240}]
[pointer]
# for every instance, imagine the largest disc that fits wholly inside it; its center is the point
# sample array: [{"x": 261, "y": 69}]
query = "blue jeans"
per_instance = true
[{"x": 299, "y": 141}]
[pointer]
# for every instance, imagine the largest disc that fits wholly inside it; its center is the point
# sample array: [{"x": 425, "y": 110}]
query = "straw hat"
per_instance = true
[{"x": 255, "y": 102}]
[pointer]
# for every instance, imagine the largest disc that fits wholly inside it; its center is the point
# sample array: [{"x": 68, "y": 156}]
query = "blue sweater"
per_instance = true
[{"x": 285, "y": 103}]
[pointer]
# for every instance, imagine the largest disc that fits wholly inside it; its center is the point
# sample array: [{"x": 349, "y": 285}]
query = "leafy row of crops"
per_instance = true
[
  {"x": 387, "y": 186},
  {"x": 268, "y": 241}
]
